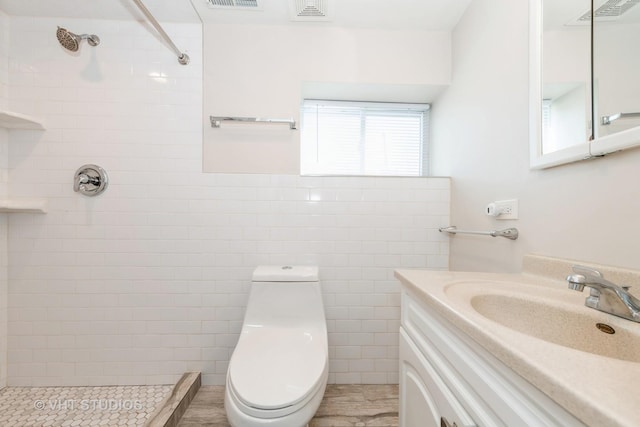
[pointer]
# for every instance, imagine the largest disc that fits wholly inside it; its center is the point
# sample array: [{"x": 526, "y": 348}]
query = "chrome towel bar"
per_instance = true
[
  {"x": 217, "y": 120},
  {"x": 606, "y": 120},
  {"x": 509, "y": 233}
]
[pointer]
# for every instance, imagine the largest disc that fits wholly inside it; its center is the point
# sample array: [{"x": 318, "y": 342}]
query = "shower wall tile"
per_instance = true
[{"x": 151, "y": 278}]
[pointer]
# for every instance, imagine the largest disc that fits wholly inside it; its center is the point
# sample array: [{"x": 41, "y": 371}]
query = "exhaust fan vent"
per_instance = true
[
  {"x": 249, "y": 4},
  {"x": 310, "y": 10},
  {"x": 610, "y": 11}
]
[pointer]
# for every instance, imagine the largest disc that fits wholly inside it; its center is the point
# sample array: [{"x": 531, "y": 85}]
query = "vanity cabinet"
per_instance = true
[
  {"x": 426, "y": 399},
  {"x": 447, "y": 379}
]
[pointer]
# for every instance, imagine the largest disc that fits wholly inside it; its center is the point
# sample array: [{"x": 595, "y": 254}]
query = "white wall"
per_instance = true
[
  {"x": 260, "y": 71},
  {"x": 586, "y": 211},
  {"x": 150, "y": 279},
  {"x": 4, "y": 162}
]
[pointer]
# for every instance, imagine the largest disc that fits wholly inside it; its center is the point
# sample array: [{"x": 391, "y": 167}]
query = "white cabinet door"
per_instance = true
[{"x": 425, "y": 400}]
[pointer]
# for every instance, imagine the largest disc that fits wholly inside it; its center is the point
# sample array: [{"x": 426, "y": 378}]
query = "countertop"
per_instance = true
[{"x": 598, "y": 390}]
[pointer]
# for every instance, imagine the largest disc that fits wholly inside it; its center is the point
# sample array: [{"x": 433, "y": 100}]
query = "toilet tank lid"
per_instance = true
[{"x": 285, "y": 273}]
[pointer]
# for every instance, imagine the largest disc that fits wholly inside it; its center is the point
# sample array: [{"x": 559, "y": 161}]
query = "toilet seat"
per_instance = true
[{"x": 275, "y": 371}]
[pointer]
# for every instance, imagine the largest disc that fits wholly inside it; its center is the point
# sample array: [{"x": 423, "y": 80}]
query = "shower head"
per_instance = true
[{"x": 71, "y": 41}]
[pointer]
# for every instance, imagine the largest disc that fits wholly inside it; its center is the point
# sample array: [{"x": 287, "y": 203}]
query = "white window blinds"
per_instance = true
[{"x": 364, "y": 138}]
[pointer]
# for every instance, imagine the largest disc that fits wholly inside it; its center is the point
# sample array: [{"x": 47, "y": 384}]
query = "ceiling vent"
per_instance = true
[
  {"x": 310, "y": 10},
  {"x": 611, "y": 10},
  {"x": 236, "y": 4}
]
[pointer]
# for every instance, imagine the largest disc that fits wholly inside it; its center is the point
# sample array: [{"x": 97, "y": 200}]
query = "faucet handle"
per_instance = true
[{"x": 79, "y": 181}]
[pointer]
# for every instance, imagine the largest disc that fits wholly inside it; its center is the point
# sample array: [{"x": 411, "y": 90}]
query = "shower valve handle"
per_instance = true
[
  {"x": 90, "y": 180},
  {"x": 79, "y": 182}
]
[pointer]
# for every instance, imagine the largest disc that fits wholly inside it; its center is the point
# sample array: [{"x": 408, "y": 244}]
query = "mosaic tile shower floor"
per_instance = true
[{"x": 80, "y": 406}]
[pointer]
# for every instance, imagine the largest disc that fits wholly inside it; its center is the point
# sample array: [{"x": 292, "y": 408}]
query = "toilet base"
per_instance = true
[{"x": 299, "y": 418}]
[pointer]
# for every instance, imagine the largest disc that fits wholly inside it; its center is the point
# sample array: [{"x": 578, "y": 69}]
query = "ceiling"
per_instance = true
[
  {"x": 563, "y": 15},
  {"x": 435, "y": 15},
  {"x": 164, "y": 10}
]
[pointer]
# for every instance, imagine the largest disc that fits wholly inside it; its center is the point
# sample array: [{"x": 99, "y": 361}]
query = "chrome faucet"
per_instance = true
[{"x": 605, "y": 296}]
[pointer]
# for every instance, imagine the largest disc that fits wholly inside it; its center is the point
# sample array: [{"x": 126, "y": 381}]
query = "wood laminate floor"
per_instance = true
[{"x": 342, "y": 406}]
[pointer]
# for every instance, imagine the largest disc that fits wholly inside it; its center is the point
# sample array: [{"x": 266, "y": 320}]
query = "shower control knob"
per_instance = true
[{"x": 90, "y": 180}]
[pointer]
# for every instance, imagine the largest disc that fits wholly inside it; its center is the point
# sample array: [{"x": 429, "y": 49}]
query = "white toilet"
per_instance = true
[{"x": 279, "y": 369}]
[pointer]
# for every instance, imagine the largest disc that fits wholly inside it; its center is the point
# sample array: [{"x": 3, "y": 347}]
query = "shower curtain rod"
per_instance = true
[{"x": 183, "y": 58}]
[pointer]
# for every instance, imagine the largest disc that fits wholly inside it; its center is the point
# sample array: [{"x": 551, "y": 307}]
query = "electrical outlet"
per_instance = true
[{"x": 508, "y": 209}]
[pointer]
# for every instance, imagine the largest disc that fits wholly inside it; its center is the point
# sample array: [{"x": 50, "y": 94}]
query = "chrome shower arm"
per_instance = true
[{"x": 183, "y": 58}]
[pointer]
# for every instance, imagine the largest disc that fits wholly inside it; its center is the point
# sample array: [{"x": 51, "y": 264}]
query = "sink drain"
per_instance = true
[{"x": 605, "y": 328}]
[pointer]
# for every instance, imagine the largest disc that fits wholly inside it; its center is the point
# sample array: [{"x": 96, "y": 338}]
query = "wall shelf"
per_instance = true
[
  {"x": 12, "y": 120},
  {"x": 23, "y": 206}
]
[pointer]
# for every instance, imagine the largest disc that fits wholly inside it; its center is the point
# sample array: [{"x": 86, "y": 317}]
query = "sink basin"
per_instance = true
[{"x": 563, "y": 324}]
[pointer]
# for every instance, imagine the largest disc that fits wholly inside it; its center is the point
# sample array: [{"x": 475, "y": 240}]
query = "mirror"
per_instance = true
[
  {"x": 617, "y": 67},
  {"x": 566, "y": 75},
  {"x": 563, "y": 105}
]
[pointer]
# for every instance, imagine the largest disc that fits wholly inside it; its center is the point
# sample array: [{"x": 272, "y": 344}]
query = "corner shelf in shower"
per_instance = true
[
  {"x": 11, "y": 120},
  {"x": 23, "y": 206}
]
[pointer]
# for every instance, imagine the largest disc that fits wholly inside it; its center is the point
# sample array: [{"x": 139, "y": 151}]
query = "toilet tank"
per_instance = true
[
  {"x": 285, "y": 296},
  {"x": 285, "y": 273}
]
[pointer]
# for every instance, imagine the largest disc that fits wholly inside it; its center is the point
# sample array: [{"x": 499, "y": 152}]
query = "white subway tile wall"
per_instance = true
[{"x": 151, "y": 278}]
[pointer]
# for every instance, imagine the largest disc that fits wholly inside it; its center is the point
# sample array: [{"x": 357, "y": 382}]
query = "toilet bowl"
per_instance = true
[{"x": 279, "y": 369}]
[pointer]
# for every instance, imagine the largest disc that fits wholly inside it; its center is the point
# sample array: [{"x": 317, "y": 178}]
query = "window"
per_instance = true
[{"x": 364, "y": 138}]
